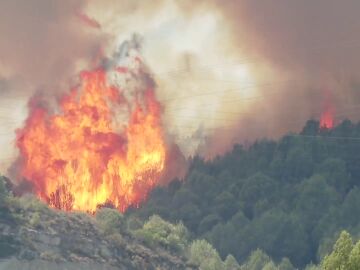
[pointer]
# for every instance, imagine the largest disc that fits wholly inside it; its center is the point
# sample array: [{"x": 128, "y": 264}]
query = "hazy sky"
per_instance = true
[{"x": 226, "y": 71}]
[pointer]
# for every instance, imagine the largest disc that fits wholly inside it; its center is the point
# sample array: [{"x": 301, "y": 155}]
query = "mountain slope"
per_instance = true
[
  {"x": 32, "y": 236},
  {"x": 290, "y": 197}
]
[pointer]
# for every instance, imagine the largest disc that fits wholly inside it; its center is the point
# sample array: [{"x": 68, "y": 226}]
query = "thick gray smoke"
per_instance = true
[
  {"x": 226, "y": 70},
  {"x": 311, "y": 46},
  {"x": 44, "y": 41},
  {"x": 43, "y": 44}
]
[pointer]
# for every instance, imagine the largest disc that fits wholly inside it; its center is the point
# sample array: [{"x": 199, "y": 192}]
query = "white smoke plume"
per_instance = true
[{"x": 225, "y": 71}]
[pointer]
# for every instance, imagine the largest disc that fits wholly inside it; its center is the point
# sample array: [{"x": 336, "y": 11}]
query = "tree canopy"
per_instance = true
[{"x": 289, "y": 198}]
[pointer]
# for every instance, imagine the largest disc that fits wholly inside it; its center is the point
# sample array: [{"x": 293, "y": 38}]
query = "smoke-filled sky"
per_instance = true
[{"x": 226, "y": 71}]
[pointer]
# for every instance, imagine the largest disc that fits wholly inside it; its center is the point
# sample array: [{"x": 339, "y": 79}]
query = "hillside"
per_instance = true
[
  {"x": 291, "y": 197},
  {"x": 32, "y": 236},
  {"x": 270, "y": 206}
]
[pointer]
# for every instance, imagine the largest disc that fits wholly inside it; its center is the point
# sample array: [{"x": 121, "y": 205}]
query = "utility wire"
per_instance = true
[
  {"x": 246, "y": 87},
  {"x": 244, "y": 61},
  {"x": 238, "y": 126}
]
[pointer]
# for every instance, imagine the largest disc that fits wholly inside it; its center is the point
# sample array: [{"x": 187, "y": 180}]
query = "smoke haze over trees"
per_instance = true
[
  {"x": 226, "y": 71},
  {"x": 230, "y": 78},
  {"x": 271, "y": 205},
  {"x": 290, "y": 198}
]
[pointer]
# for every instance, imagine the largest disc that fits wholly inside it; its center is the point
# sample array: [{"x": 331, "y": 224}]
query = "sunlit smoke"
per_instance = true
[{"x": 223, "y": 73}]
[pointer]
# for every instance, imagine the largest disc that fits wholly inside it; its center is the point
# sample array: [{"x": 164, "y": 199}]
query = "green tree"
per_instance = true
[
  {"x": 257, "y": 260},
  {"x": 298, "y": 163},
  {"x": 286, "y": 197},
  {"x": 133, "y": 223},
  {"x": 4, "y": 193},
  {"x": 270, "y": 266},
  {"x": 335, "y": 173},
  {"x": 315, "y": 198},
  {"x": 225, "y": 237},
  {"x": 190, "y": 214},
  {"x": 339, "y": 258},
  {"x": 354, "y": 257},
  {"x": 157, "y": 231},
  {"x": 205, "y": 256},
  {"x": 208, "y": 222},
  {"x": 350, "y": 209},
  {"x": 111, "y": 220},
  {"x": 311, "y": 128},
  {"x": 230, "y": 263},
  {"x": 276, "y": 228},
  {"x": 256, "y": 187},
  {"x": 225, "y": 205},
  {"x": 312, "y": 267},
  {"x": 285, "y": 264}
]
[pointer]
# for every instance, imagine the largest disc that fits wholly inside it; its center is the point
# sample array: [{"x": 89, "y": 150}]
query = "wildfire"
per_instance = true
[
  {"x": 327, "y": 119},
  {"x": 82, "y": 157},
  {"x": 327, "y": 116}
]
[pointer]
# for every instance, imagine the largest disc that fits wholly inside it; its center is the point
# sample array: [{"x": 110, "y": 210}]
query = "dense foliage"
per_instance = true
[
  {"x": 270, "y": 206},
  {"x": 28, "y": 214},
  {"x": 290, "y": 198},
  {"x": 345, "y": 254}
]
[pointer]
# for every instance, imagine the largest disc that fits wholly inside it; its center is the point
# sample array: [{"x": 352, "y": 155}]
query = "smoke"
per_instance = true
[
  {"x": 44, "y": 41},
  {"x": 225, "y": 71},
  {"x": 43, "y": 45},
  {"x": 254, "y": 69},
  {"x": 298, "y": 35},
  {"x": 192, "y": 61},
  {"x": 311, "y": 44}
]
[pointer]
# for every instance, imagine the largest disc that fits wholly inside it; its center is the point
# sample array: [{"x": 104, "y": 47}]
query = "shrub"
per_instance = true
[
  {"x": 133, "y": 223},
  {"x": 158, "y": 232},
  {"x": 35, "y": 220},
  {"x": 205, "y": 256},
  {"x": 116, "y": 239},
  {"x": 110, "y": 220},
  {"x": 4, "y": 193},
  {"x": 50, "y": 256},
  {"x": 31, "y": 203}
]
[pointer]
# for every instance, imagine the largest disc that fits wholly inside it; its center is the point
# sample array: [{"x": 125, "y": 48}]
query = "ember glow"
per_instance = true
[
  {"x": 327, "y": 115},
  {"x": 82, "y": 157},
  {"x": 327, "y": 119}
]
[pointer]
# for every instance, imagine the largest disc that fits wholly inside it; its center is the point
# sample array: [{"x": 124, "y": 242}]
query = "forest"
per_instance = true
[
  {"x": 286, "y": 204},
  {"x": 290, "y": 198}
]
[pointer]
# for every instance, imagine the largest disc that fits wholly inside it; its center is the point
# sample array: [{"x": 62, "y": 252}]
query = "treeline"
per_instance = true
[
  {"x": 159, "y": 234},
  {"x": 289, "y": 198},
  {"x": 277, "y": 205}
]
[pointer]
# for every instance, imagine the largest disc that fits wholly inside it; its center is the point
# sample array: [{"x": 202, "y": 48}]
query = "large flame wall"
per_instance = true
[{"x": 80, "y": 157}]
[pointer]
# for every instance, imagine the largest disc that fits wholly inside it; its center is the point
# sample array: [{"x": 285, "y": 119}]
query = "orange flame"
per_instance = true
[
  {"x": 81, "y": 157},
  {"x": 327, "y": 116},
  {"x": 327, "y": 119}
]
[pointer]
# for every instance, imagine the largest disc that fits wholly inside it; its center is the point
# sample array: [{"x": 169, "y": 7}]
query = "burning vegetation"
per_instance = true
[
  {"x": 327, "y": 119},
  {"x": 327, "y": 116},
  {"x": 84, "y": 155}
]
